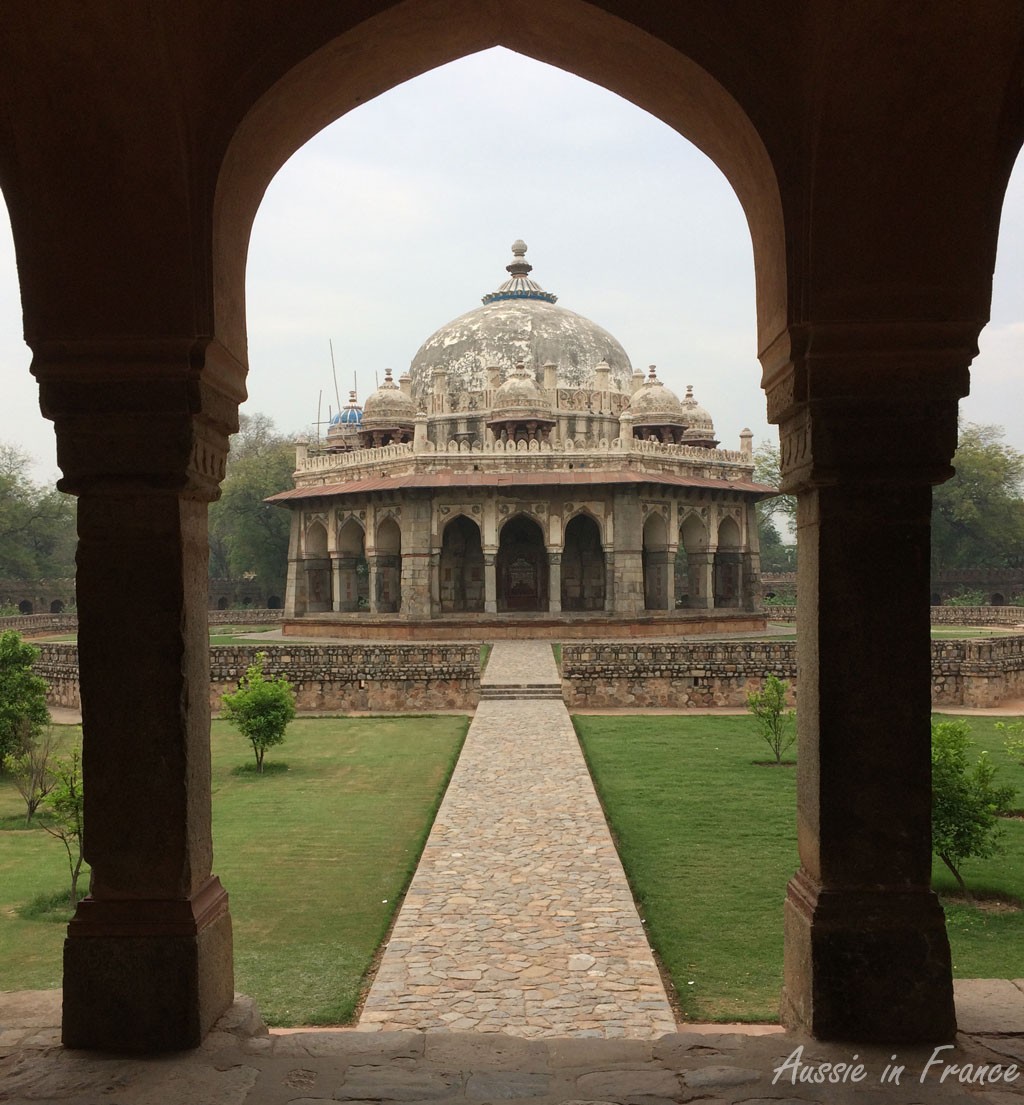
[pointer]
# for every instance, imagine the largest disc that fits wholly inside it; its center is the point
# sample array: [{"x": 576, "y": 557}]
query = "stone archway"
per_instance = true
[
  {"x": 873, "y": 194},
  {"x": 351, "y": 571},
  {"x": 583, "y": 565},
  {"x": 387, "y": 567},
  {"x": 522, "y": 566},
  {"x": 655, "y": 562},
  {"x": 461, "y": 567},
  {"x": 727, "y": 567}
]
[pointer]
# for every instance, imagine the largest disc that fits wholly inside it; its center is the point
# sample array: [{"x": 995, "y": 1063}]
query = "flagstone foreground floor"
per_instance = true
[
  {"x": 519, "y": 918},
  {"x": 240, "y": 1064}
]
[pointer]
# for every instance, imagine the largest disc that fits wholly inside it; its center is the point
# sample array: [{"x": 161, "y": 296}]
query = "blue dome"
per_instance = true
[{"x": 352, "y": 415}]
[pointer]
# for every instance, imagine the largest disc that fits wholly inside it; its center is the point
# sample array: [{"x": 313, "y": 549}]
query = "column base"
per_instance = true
[
  {"x": 867, "y": 966},
  {"x": 147, "y": 975}
]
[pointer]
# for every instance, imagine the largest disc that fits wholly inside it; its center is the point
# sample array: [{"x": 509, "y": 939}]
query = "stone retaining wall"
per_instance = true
[
  {"x": 941, "y": 615},
  {"x": 976, "y": 673},
  {"x": 32, "y": 625},
  {"x": 982, "y": 673},
  {"x": 604, "y": 676},
  {"x": 378, "y": 678}
]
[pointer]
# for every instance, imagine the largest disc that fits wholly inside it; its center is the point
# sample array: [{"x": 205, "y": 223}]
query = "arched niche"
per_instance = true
[
  {"x": 655, "y": 561},
  {"x": 583, "y": 565},
  {"x": 388, "y": 558},
  {"x": 522, "y": 566},
  {"x": 461, "y": 584}
]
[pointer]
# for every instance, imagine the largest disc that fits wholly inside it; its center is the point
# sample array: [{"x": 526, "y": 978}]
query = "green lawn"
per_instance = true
[
  {"x": 709, "y": 842},
  {"x": 315, "y": 859}
]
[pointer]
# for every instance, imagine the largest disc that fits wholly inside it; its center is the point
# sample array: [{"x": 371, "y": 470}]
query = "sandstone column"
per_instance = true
[
  {"x": 490, "y": 582},
  {"x": 554, "y": 581},
  {"x": 702, "y": 579},
  {"x": 147, "y": 961},
  {"x": 866, "y": 953}
]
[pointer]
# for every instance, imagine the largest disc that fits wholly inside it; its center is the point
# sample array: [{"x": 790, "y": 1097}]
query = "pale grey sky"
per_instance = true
[{"x": 399, "y": 217}]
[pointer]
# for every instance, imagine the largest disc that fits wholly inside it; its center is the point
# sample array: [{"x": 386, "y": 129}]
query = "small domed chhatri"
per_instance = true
[{"x": 521, "y": 468}]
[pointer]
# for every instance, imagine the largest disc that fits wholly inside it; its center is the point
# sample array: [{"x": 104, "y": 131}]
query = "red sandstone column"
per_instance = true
[
  {"x": 142, "y": 440},
  {"x": 866, "y": 952}
]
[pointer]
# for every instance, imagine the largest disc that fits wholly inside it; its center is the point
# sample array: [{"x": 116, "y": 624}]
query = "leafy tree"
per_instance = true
[
  {"x": 261, "y": 708},
  {"x": 37, "y": 524},
  {"x": 67, "y": 801},
  {"x": 247, "y": 535},
  {"x": 776, "y": 554},
  {"x": 1013, "y": 741},
  {"x": 775, "y": 723},
  {"x": 965, "y": 800},
  {"x": 31, "y": 770},
  {"x": 978, "y": 515},
  {"x": 23, "y": 712}
]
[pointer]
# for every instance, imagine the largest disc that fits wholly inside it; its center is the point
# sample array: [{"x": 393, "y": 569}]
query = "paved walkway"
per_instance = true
[{"x": 519, "y": 918}]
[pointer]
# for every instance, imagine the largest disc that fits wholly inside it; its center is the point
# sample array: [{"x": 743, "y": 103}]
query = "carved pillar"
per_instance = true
[
  {"x": 554, "y": 581},
  {"x": 142, "y": 439},
  {"x": 670, "y": 577},
  {"x": 864, "y": 435},
  {"x": 490, "y": 582},
  {"x": 374, "y": 581},
  {"x": 702, "y": 579}
]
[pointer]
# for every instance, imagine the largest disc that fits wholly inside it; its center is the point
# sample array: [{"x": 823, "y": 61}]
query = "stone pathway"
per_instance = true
[{"x": 519, "y": 918}]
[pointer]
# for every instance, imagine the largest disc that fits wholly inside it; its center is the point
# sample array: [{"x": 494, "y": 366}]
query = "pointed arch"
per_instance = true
[
  {"x": 522, "y": 565},
  {"x": 583, "y": 564},
  {"x": 461, "y": 566}
]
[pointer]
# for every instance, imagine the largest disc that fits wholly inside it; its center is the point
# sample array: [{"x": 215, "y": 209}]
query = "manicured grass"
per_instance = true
[
  {"x": 315, "y": 859},
  {"x": 708, "y": 840}
]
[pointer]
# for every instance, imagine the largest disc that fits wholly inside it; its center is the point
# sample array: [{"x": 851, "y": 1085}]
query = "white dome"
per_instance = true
[{"x": 519, "y": 323}]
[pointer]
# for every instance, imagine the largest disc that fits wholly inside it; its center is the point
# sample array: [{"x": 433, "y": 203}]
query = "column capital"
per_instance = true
[
  {"x": 137, "y": 415},
  {"x": 867, "y": 403}
]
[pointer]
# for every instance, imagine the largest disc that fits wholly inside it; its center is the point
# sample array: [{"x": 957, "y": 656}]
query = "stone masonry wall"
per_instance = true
[
  {"x": 976, "y": 673},
  {"x": 378, "y": 678},
  {"x": 679, "y": 675},
  {"x": 941, "y": 615},
  {"x": 29, "y": 625}
]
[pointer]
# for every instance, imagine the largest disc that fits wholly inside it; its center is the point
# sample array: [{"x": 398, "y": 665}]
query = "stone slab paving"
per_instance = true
[
  {"x": 241, "y": 1064},
  {"x": 519, "y": 918}
]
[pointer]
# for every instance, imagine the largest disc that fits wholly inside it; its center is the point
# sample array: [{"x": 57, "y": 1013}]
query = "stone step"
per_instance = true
[{"x": 521, "y": 690}]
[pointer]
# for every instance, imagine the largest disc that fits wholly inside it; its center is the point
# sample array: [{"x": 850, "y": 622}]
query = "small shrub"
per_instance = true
[
  {"x": 775, "y": 723},
  {"x": 966, "y": 801},
  {"x": 261, "y": 708}
]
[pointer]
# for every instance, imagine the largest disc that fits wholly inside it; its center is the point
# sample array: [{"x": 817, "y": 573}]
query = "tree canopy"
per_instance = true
[
  {"x": 774, "y": 516},
  {"x": 23, "y": 712},
  {"x": 37, "y": 524},
  {"x": 247, "y": 535},
  {"x": 978, "y": 515}
]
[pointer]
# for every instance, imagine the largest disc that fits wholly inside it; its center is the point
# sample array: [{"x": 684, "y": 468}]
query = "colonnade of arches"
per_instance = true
[{"x": 525, "y": 572}]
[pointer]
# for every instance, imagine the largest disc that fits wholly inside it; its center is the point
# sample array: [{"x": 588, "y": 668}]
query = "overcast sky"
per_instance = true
[{"x": 399, "y": 217}]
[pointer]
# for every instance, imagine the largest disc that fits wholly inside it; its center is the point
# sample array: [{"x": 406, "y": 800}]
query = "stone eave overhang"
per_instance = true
[{"x": 483, "y": 480}]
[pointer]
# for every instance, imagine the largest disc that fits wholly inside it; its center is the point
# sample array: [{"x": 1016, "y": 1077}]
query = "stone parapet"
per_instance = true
[
  {"x": 978, "y": 615},
  {"x": 977, "y": 673},
  {"x": 247, "y": 616},
  {"x": 677, "y": 675},
  {"x": 378, "y": 678},
  {"x": 32, "y": 625}
]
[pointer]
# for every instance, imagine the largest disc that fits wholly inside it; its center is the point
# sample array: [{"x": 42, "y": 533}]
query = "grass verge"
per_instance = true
[
  {"x": 315, "y": 859},
  {"x": 708, "y": 840}
]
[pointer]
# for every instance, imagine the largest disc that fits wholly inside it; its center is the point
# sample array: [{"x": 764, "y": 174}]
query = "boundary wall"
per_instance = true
[{"x": 343, "y": 678}]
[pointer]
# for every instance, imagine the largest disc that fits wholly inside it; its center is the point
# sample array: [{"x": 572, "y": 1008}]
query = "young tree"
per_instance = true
[
  {"x": 774, "y": 722},
  {"x": 965, "y": 800},
  {"x": 31, "y": 771},
  {"x": 23, "y": 712},
  {"x": 67, "y": 801},
  {"x": 261, "y": 708}
]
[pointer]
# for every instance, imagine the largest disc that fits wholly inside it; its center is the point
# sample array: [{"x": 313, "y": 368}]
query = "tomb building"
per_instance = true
[{"x": 521, "y": 468}]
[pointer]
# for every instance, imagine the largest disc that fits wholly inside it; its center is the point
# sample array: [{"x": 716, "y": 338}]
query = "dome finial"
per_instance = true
[{"x": 519, "y": 285}]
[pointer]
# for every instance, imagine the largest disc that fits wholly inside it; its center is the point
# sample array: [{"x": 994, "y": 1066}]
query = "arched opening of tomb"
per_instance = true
[
  {"x": 461, "y": 567},
  {"x": 583, "y": 565},
  {"x": 998, "y": 599},
  {"x": 656, "y": 565},
  {"x": 522, "y": 566},
  {"x": 351, "y": 569},
  {"x": 728, "y": 566},
  {"x": 388, "y": 565},
  {"x": 57, "y": 606},
  {"x": 273, "y": 602},
  {"x": 318, "y": 569},
  {"x": 25, "y": 606},
  {"x": 694, "y": 563},
  {"x": 222, "y": 602}
]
